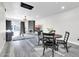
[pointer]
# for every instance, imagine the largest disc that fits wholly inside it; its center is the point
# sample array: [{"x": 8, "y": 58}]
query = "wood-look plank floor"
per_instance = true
[{"x": 30, "y": 48}]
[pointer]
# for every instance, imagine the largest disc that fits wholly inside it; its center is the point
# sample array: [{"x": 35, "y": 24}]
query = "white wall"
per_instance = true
[
  {"x": 2, "y": 26},
  {"x": 65, "y": 21}
]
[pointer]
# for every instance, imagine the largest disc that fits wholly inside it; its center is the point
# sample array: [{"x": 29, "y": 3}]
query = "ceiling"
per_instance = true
[{"x": 40, "y": 10}]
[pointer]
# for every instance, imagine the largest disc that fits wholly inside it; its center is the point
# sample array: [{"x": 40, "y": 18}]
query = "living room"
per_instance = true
[{"x": 22, "y": 24}]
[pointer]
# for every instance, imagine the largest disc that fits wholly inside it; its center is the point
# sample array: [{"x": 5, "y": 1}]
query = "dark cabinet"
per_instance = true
[
  {"x": 9, "y": 36},
  {"x": 9, "y": 32}
]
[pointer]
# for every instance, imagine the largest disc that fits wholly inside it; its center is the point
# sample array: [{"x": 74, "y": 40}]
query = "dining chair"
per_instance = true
[
  {"x": 48, "y": 42},
  {"x": 65, "y": 41},
  {"x": 40, "y": 36}
]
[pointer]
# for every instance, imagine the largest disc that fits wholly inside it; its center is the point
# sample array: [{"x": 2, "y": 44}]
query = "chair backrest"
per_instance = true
[
  {"x": 66, "y": 37},
  {"x": 48, "y": 36},
  {"x": 40, "y": 32}
]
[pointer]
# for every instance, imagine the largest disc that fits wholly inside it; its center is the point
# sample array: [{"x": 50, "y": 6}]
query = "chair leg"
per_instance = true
[
  {"x": 64, "y": 45},
  {"x": 52, "y": 52},
  {"x": 57, "y": 47},
  {"x": 43, "y": 51},
  {"x": 38, "y": 42},
  {"x": 66, "y": 48}
]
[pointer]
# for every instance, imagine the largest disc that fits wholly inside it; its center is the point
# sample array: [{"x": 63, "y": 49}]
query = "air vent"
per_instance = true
[{"x": 26, "y": 6}]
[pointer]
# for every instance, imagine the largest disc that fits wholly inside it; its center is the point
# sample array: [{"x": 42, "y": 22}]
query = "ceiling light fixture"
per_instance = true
[{"x": 25, "y": 18}]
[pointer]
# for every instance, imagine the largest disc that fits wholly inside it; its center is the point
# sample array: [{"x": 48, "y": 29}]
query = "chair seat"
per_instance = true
[
  {"x": 61, "y": 41},
  {"x": 49, "y": 43}
]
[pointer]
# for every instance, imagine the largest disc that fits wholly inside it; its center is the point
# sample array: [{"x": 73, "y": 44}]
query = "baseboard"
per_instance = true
[{"x": 73, "y": 43}]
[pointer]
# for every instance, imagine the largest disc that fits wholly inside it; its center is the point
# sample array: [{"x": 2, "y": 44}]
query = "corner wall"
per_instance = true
[
  {"x": 2, "y": 26},
  {"x": 65, "y": 21}
]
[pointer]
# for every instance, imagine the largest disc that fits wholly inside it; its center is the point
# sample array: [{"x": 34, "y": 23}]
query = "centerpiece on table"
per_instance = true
[
  {"x": 38, "y": 27},
  {"x": 51, "y": 30}
]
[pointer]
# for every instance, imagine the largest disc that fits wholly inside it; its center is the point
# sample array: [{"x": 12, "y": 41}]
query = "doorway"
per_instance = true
[{"x": 15, "y": 28}]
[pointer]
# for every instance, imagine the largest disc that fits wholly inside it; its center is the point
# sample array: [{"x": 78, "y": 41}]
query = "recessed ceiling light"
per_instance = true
[{"x": 62, "y": 7}]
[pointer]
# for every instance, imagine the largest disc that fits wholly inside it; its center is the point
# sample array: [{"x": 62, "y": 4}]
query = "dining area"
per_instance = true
[
  {"x": 41, "y": 44},
  {"x": 50, "y": 29},
  {"x": 53, "y": 41}
]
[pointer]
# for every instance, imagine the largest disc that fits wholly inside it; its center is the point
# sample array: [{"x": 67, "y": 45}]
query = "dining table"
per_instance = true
[{"x": 56, "y": 37}]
